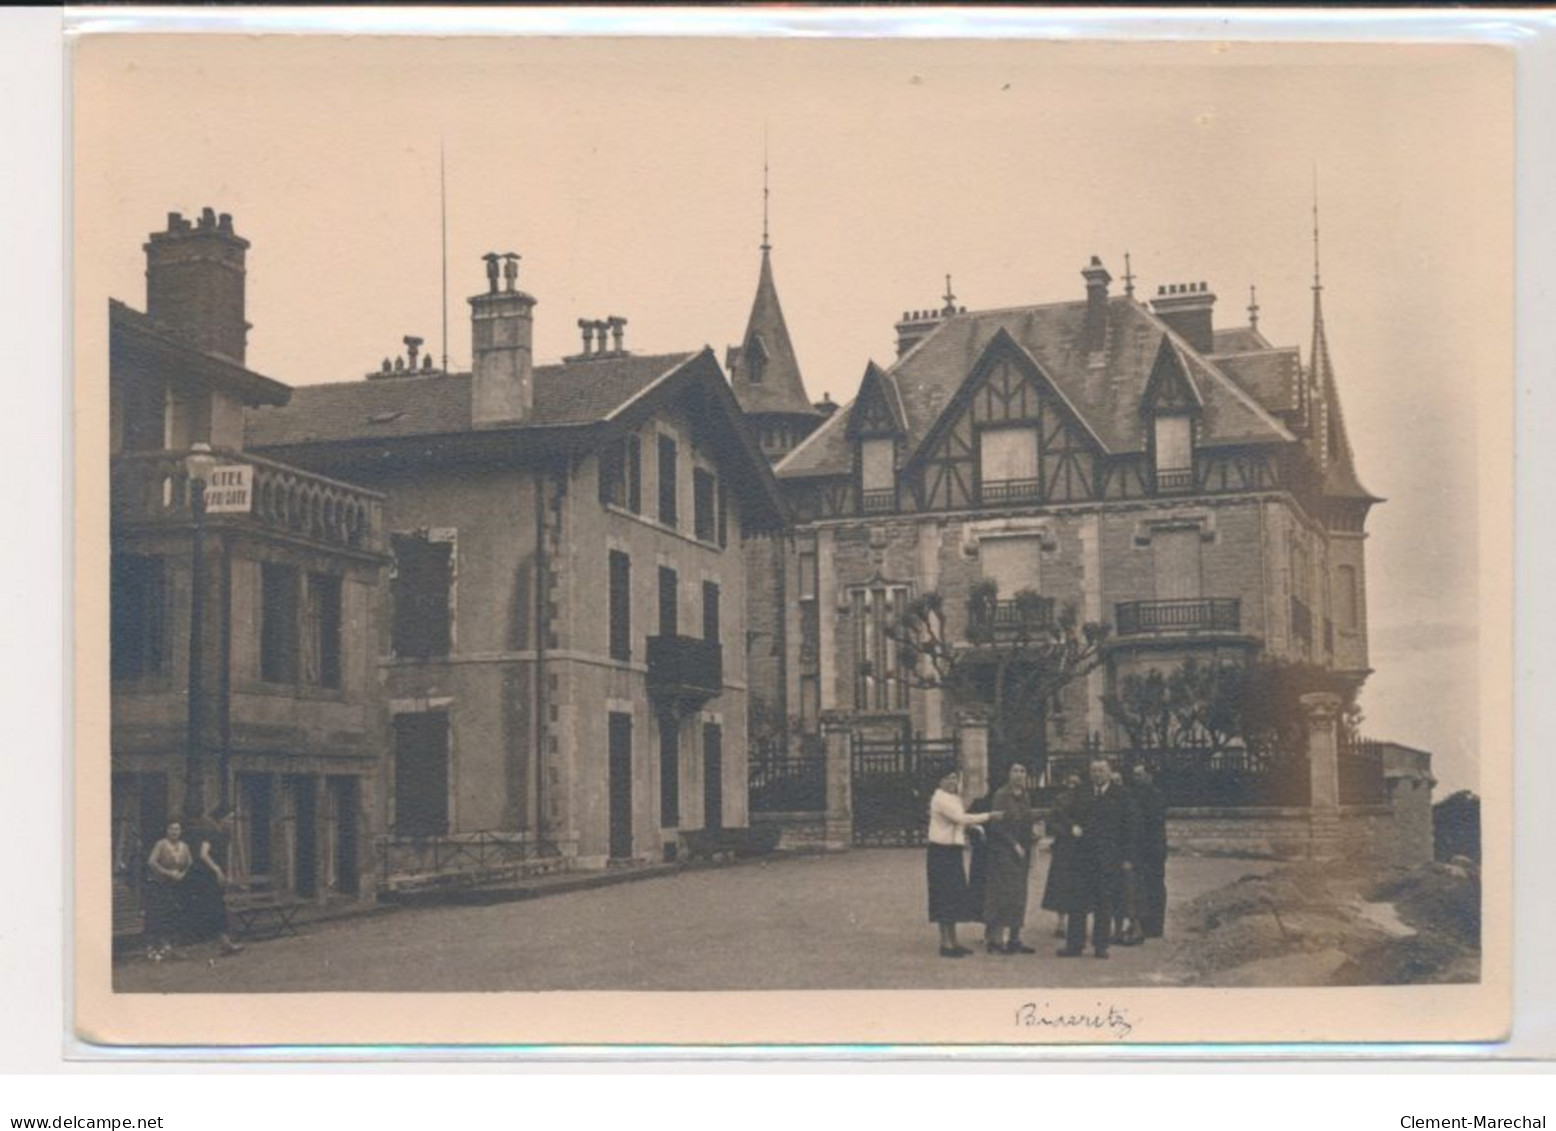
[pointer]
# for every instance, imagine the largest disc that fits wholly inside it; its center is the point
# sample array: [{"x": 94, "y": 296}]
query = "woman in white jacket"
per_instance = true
[{"x": 949, "y": 899}]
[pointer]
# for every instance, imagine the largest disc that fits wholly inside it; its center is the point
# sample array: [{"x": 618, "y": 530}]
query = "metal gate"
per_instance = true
[{"x": 893, "y": 780}]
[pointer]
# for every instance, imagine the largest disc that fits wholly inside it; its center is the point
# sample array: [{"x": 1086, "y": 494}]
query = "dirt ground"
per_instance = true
[{"x": 1333, "y": 925}]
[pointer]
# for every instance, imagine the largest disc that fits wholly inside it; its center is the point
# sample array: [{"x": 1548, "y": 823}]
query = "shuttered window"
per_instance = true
[{"x": 620, "y": 606}]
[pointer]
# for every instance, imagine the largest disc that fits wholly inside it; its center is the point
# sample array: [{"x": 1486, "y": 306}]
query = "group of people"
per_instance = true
[
  {"x": 1108, "y": 861},
  {"x": 183, "y": 895}
]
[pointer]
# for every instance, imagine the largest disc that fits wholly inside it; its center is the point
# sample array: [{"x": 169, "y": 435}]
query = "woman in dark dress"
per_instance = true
[
  {"x": 204, "y": 905},
  {"x": 978, "y": 865},
  {"x": 1060, "y": 889}
]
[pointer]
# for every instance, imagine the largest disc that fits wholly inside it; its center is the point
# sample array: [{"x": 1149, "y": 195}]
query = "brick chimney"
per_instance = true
[
  {"x": 1094, "y": 332},
  {"x": 916, "y": 325},
  {"x": 1186, "y": 307},
  {"x": 194, "y": 282},
  {"x": 502, "y": 334}
]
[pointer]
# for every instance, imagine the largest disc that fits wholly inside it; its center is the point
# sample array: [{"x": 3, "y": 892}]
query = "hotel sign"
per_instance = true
[{"x": 230, "y": 489}]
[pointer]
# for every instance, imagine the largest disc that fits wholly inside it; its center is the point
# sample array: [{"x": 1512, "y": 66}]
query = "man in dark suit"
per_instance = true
[
  {"x": 1151, "y": 852},
  {"x": 1103, "y": 835}
]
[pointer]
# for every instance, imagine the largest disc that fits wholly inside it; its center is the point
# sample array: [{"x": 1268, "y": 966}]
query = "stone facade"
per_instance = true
[
  {"x": 243, "y": 641},
  {"x": 584, "y": 695},
  {"x": 1087, "y": 452}
]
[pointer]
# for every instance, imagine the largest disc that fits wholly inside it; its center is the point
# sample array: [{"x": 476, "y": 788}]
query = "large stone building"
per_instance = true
[
  {"x": 243, "y": 598},
  {"x": 1189, "y": 484},
  {"x": 564, "y": 647}
]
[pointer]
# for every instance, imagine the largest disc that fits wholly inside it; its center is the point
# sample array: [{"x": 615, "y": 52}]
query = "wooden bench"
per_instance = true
[
  {"x": 263, "y": 916},
  {"x": 709, "y": 844}
]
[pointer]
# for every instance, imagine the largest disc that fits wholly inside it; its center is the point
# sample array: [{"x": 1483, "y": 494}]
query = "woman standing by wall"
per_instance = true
[
  {"x": 166, "y": 870},
  {"x": 204, "y": 905}
]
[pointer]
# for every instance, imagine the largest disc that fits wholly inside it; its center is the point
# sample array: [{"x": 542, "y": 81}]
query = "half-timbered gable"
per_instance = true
[{"x": 1191, "y": 487}]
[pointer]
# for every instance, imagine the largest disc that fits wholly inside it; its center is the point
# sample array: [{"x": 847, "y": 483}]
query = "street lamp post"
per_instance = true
[{"x": 199, "y": 463}]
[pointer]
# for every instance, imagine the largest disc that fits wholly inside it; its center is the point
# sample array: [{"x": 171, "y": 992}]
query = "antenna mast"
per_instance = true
[{"x": 443, "y": 221}]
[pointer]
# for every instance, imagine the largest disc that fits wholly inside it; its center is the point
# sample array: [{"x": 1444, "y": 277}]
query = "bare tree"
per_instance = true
[{"x": 1012, "y": 660}]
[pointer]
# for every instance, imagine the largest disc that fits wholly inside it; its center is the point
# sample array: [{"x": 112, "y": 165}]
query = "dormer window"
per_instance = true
[
  {"x": 756, "y": 360},
  {"x": 1174, "y": 443},
  {"x": 878, "y": 474},
  {"x": 1007, "y": 464}
]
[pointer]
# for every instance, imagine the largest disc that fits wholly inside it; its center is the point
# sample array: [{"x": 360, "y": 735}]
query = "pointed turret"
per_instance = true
[
  {"x": 763, "y": 369},
  {"x": 1327, "y": 441}
]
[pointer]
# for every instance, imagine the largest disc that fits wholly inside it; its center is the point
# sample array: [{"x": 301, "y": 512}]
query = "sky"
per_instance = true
[{"x": 629, "y": 176}]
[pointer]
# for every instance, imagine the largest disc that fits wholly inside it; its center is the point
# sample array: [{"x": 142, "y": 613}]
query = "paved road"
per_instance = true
[{"x": 851, "y": 921}]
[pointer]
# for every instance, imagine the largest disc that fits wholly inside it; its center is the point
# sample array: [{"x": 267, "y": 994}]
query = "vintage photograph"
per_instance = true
[{"x": 634, "y": 522}]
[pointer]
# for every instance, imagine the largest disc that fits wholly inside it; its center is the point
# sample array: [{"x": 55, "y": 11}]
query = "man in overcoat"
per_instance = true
[
  {"x": 1151, "y": 814},
  {"x": 1104, "y": 841}
]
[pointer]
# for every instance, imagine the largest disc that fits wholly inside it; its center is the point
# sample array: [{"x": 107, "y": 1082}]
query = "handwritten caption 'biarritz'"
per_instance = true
[{"x": 1108, "y": 1021}]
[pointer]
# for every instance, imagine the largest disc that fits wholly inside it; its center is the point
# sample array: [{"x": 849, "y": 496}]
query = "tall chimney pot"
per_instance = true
[
  {"x": 502, "y": 351},
  {"x": 1094, "y": 331}
]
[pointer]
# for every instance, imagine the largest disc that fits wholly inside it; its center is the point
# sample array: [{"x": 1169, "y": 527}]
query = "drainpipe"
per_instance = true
[
  {"x": 538, "y": 694},
  {"x": 224, "y": 681}
]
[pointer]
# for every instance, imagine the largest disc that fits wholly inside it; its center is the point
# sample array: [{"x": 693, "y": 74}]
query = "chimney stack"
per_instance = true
[
  {"x": 502, "y": 335},
  {"x": 1094, "y": 333},
  {"x": 194, "y": 282},
  {"x": 1186, "y": 307}
]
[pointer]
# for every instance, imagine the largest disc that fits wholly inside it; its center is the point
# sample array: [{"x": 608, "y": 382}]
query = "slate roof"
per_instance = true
[
  {"x": 134, "y": 337},
  {"x": 1273, "y": 376},
  {"x": 782, "y": 388},
  {"x": 572, "y": 393},
  {"x": 1240, "y": 339},
  {"x": 1106, "y": 396},
  {"x": 1330, "y": 443}
]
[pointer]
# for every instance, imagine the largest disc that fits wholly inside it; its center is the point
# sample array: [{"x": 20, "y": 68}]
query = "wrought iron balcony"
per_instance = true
[
  {"x": 1175, "y": 479},
  {"x": 1195, "y": 614},
  {"x": 1011, "y": 618},
  {"x": 1009, "y": 491},
  {"x": 878, "y": 500},
  {"x": 153, "y": 488},
  {"x": 685, "y": 668}
]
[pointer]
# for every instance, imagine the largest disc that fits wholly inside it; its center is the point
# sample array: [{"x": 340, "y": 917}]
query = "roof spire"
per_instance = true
[
  {"x": 766, "y": 243},
  {"x": 1129, "y": 278},
  {"x": 950, "y": 299},
  {"x": 1317, "y": 285},
  {"x": 1253, "y": 307}
]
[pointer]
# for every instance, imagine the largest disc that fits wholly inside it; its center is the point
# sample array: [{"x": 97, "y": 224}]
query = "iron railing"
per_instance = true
[
  {"x": 460, "y": 859},
  {"x": 1233, "y": 777},
  {"x": 1197, "y": 614},
  {"x": 892, "y": 781},
  {"x": 878, "y": 500},
  {"x": 1009, "y": 490},
  {"x": 1361, "y": 772},
  {"x": 1013, "y": 617},
  {"x": 788, "y": 781}
]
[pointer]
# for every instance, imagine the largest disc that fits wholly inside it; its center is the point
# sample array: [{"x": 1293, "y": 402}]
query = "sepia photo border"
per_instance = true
[{"x": 725, "y": 1023}]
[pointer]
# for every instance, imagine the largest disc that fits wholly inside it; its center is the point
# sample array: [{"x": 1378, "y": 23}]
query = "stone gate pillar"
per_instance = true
[
  {"x": 838, "y": 832},
  {"x": 1323, "y": 752},
  {"x": 972, "y": 744}
]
